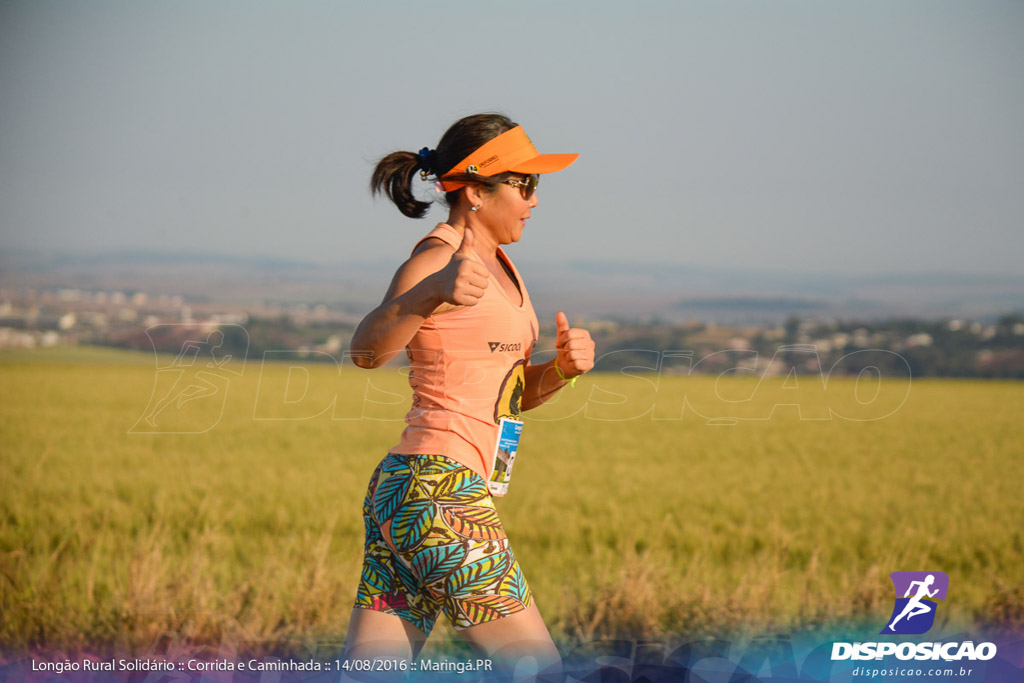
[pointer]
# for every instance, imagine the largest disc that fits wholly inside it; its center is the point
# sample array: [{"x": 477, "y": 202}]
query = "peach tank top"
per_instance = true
[{"x": 466, "y": 370}]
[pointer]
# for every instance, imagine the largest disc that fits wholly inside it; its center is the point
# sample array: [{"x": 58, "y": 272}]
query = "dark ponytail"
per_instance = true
[
  {"x": 393, "y": 177},
  {"x": 395, "y": 172}
]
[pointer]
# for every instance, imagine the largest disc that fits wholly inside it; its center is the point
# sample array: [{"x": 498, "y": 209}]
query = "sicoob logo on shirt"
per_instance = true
[
  {"x": 916, "y": 595},
  {"x": 499, "y": 346}
]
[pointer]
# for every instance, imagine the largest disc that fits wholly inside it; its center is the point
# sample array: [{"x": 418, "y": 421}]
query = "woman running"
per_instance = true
[{"x": 434, "y": 542}]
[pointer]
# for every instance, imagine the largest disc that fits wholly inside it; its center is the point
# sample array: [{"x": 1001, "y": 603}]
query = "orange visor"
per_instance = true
[{"x": 510, "y": 151}]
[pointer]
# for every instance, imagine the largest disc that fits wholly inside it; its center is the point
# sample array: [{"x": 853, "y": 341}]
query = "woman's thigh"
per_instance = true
[
  {"x": 439, "y": 520},
  {"x": 373, "y": 634},
  {"x": 435, "y": 543},
  {"x": 513, "y": 639}
]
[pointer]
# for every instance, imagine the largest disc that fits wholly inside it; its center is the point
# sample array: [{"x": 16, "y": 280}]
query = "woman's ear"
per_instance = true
[{"x": 474, "y": 194}]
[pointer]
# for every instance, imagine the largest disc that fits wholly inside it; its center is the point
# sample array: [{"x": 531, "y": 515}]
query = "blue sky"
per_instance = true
[{"x": 846, "y": 137}]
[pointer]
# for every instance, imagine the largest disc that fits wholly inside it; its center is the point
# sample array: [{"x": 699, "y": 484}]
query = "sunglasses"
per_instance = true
[{"x": 527, "y": 186}]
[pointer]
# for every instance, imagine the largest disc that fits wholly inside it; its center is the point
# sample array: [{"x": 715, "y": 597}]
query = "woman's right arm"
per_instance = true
[{"x": 434, "y": 280}]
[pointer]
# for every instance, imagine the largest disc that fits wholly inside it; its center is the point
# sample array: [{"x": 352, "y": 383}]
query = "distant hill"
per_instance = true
[{"x": 620, "y": 291}]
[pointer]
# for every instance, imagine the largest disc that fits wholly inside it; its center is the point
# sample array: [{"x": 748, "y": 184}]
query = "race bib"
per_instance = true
[{"x": 504, "y": 455}]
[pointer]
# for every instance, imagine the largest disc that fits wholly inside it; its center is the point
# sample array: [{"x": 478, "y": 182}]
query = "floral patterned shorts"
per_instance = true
[{"x": 434, "y": 543}]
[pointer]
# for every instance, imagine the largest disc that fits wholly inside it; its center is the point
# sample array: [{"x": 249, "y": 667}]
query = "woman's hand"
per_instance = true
[
  {"x": 434, "y": 280},
  {"x": 575, "y": 348},
  {"x": 463, "y": 281}
]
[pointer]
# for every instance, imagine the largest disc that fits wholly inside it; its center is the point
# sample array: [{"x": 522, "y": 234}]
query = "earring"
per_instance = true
[{"x": 475, "y": 207}]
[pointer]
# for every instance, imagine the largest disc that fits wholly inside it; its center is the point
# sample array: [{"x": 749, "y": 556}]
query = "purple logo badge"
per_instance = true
[{"x": 917, "y": 594}]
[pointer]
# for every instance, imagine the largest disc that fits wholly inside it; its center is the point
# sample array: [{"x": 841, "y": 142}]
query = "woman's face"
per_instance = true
[{"x": 505, "y": 212}]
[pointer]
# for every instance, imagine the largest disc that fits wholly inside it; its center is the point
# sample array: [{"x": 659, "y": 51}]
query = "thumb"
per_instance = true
[
  {"x": 562, "y": 322},
  {"x": 467, "y": 243}
]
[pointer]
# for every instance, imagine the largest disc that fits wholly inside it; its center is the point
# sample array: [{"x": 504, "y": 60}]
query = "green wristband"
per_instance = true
[{"x": 572, "y": 382}]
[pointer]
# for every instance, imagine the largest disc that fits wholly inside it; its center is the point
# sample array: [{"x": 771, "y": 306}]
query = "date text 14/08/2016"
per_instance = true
[{"x": 405, "y": 665}]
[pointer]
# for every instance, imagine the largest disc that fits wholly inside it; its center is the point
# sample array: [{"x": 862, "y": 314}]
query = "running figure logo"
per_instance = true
[
  {"x": 189, "y": 392},
  {"x": 916, "y": 595}
]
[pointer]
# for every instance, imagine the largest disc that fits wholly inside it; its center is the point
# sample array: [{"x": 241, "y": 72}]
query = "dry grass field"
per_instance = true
[{"x": 634, "y": 512}]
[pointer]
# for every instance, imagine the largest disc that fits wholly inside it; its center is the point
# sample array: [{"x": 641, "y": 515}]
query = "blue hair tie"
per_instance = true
[{"x": 423, "y": 162}]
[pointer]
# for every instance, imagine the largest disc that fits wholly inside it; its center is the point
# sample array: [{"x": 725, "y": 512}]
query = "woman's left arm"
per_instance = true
[{"x": 575, "y": 356}]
